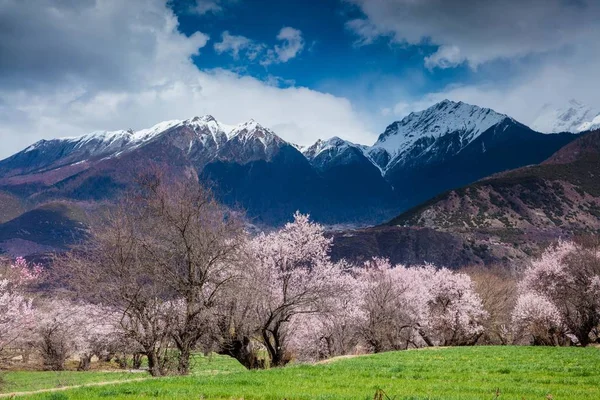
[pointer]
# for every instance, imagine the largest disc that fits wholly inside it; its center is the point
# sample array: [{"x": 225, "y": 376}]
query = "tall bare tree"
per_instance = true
[{"x": 162, "y": 259}]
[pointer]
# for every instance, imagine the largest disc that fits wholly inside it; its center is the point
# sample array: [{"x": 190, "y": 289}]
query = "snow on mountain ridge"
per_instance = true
[
  {"x": 421, "y": 132},
  {"x": 320, "y": 146},
  {"x": 590, "y": 126},
  {"x": 436, "y": 121},
  {"x": 250, "y": 130},
  {"x": 417, "y": 133},
  {"x": 572, "y": 117},
  {"x": 114, "y": 143}
]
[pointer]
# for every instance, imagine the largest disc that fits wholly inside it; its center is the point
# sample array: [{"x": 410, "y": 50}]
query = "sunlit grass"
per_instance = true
[{"x": 451, "y": 373}]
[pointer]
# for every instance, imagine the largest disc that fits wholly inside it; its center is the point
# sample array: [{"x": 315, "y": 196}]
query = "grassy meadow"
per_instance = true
[{"x": 440, "y": 373}]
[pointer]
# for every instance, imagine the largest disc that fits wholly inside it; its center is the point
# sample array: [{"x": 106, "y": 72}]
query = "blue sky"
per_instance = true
[
  {"x": 332, "y": 60},
  {"x": 306, "y": 69}
]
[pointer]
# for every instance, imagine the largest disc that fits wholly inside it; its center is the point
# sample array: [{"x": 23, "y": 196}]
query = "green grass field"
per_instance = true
[
  {"x": 18, "y": 381},
  {"x": 450, "y": 373}
]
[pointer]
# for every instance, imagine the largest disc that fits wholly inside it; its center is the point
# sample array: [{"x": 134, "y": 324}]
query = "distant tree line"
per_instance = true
[{"x": 171, "y": 272}]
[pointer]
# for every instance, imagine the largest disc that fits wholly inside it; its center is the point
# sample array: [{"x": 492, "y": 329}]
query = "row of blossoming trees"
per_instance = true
[{"x": 171, "y": 272}]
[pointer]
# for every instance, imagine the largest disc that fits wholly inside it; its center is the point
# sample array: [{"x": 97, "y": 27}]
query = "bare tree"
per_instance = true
[
  {"x": 497, "y": 289},
  {"x": 161, "y": 259},
  {"x": 197, "y": 245}
]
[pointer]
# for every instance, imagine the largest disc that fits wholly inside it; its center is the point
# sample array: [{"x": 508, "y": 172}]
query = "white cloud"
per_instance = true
[
  {"x": 530, "y": 88},
  {"x": 365, "y": 31},
  {"x": 235, "y": 45},
  {"x": 119, "y": 65},
  {"x": 523, "y": 54},
  {"x": 478, "y": 31},
  {"x": 207, "y": 6},
  {"x": 291, "y": 45},
  {"x": 445, "y": 57}
]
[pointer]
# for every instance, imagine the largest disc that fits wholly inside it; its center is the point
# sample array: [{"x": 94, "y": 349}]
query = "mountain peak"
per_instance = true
[
  {"x": 204, "y": 118},
  {"x": 250, "y": 141},
  {"x": 438, "y": 120},
  {"x": 250, "y": 132},
  {"x": 252, "y": 129},
  {"x": 250, "y": 125},
  {"x": 208, "y": 124},
  {"x": 332, "y": 144}
]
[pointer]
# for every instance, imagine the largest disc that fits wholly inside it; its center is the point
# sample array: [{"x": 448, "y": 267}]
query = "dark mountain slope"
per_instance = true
[
  {"x": 406, "y": 245},
  {"x": 512, "y": 215},
  {"x": 563, "y": 192},
  {"x": 54, "y": 225},
  {"x": 269, "y": 191},
  {"x": 504, "y": 146}
]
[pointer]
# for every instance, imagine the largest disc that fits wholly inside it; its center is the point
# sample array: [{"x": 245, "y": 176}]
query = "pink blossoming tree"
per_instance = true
[
  {"x": 16, "y": 311},
  {"x": 566, "y": 281}
]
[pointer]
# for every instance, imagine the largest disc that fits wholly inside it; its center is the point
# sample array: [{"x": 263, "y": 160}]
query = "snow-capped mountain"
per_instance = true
[
  {"x": 572, "y": 117},
  {"x": 114, "y": 143},
  {"x": 591, "y": 125},
  {"x": 452, "y": 144},
  {"x": 419, "y": 132},
  {"x": 201, "y": 137},
  {"x": 250, "y": 141},
  {"x": 445, "y": 146},
  {"x": 101, "y": 143},
  {"x": 335, "y": 151}
]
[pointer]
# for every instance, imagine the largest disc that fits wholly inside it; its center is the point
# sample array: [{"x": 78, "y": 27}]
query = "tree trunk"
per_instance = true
[
  {"x": 428, "y": 341},
  {"x": 153, "y": 363},
  {"x": 276, "y": 353},
  {"x": 270, "y": 347},
  {"x": 183, "y": 367},
  {"x": 84, "y": 362},
  {"x": 137, "y": 361},
  {"x": 26, "y": 356},
  {"x": 121, "y": 359},
  {"x": 241, "y": 350}
]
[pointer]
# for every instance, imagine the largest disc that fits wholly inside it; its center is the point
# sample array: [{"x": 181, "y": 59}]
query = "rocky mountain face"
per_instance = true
[
  {"x": 406, "y": 245},
  {"x": 511, "y": 215},
  {"x": 452, "y": 144},
  {"x": 250, "y": 167}
]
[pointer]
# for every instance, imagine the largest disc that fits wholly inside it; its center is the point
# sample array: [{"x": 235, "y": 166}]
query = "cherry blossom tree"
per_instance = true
[
  {"x": 16, "y": 311},
  {"x": 411, "y": 307},
  {"x": 65, "y": 329},
  {"x": 455, "y": 312},
  {"x": 537, "y": 320},
  {"x": 114, "y": 269},
  {"x": 198, "y": 247},
  {"x": 567, "y": 275},
  {"x": 392, "y": 303},
  {"x": 294, "y": 276},
  {"x": 333, "y": 331},
  {"x": 235, "y": 328},
  {"x": 288, "y": 274}
]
